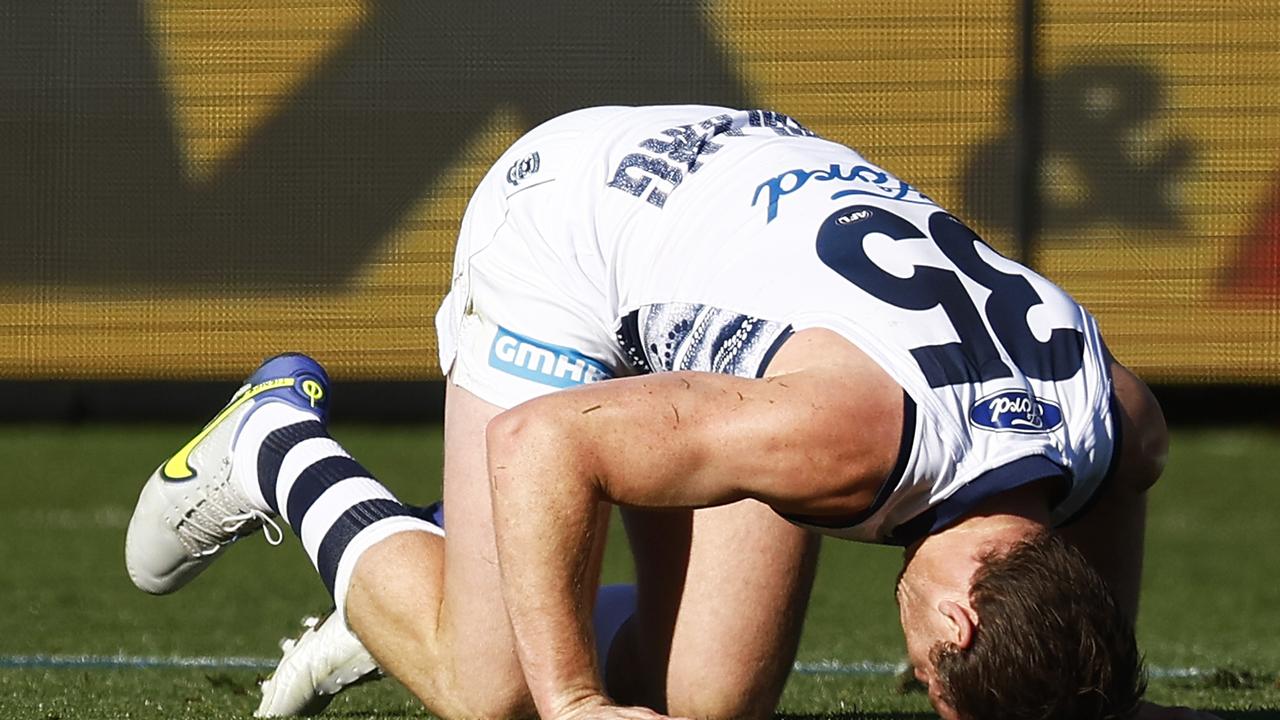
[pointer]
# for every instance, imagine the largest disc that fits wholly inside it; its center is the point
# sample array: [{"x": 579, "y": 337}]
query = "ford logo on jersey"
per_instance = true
[
  {"x": 543, "y": 362},
  {"x": 1016, "y": 411}
]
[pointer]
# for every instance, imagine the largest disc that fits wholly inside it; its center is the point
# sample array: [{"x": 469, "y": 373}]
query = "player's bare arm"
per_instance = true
[
  {"x": 1111, "y": 533},
  {"x": 816, "y": 436}
]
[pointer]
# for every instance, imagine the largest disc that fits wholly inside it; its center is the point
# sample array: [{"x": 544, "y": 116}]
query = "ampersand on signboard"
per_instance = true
[{"x": 1106, "y": 159}]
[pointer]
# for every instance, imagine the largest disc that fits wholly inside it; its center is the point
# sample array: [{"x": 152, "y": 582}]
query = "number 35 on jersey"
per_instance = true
[{"x": 988, "y": 314}]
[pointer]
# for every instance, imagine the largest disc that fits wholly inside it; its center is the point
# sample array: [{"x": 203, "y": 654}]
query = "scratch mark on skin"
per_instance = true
[
  {"x": 686, "y": 383},
  {"x": 782, "y": 384},
  {"x": 677, "y": 412},
  {"x": 740, "y": 397},
  {"x": 593, "y": 408}
]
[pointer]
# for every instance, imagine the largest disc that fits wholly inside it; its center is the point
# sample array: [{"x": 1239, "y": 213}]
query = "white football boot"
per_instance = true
[
  {"x": 191, "y": 509},
  {"x": 325, "y": 660}
]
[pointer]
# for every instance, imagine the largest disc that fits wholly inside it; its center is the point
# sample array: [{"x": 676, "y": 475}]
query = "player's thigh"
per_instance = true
[
  {"x": 473, "y": 617},
  {"x": 724, "y": 588}
]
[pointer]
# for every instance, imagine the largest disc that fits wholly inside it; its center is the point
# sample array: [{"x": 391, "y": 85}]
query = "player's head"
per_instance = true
[{"x": 1040, "y": 637}]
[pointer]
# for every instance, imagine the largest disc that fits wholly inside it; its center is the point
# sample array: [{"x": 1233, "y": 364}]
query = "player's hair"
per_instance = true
[{"x": 1050, "y": 643}]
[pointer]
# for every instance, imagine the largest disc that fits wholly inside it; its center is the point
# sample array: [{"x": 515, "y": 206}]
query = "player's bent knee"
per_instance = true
[
  {"x": 1155, "y": 449},
  {"x": 1144, "y": 435}
]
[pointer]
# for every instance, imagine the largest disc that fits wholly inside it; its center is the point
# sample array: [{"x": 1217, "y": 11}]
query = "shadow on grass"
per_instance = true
[
  {"x": 1223, "y": 714},
  {"x": 859, "y": 716},
  {"x": 380, "y": 714}
]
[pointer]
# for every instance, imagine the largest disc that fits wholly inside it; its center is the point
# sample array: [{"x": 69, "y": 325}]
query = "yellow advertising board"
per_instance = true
[{"x": 203, "y": 184}]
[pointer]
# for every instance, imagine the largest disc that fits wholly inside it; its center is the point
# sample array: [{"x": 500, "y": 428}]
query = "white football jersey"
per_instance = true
[{"x": 702, "y": 237}]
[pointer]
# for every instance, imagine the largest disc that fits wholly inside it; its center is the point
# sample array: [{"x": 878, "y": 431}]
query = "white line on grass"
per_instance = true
[
  {"x": 135, "y": 661},
  {"x": 208, "y": 662},
  {"x": 106, "y": 517}
]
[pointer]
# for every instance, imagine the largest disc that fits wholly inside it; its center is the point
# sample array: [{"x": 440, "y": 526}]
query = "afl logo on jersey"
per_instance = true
[
  {"x": 523, "y": 168},
  {"x": 853, "y": 217},
  {"x": 1016, "y": 411}
]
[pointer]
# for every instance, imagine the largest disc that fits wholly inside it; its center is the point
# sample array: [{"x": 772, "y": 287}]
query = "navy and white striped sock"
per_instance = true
[{"x": 286, "y": 464}]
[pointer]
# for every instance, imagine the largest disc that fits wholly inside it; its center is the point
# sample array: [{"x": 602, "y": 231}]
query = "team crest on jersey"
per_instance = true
[
  {"x": 523, "y": 168},
  {"x": 1016, "y": 411}
]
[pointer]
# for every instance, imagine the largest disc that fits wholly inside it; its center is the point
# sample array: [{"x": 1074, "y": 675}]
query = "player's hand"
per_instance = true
[
  {"x": 1152, "y": 711},
  {"x": 599, "y": 708},
  {"x": 615, "y": 712}
]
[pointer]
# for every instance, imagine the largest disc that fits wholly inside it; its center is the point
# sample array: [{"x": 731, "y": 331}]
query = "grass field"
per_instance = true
[{"x": 74, "y": 632}]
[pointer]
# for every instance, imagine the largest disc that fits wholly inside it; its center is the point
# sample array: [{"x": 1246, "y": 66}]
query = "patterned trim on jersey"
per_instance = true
[
  {"x": 667, "y": 337},
  {"x": 890, "y": 484}
]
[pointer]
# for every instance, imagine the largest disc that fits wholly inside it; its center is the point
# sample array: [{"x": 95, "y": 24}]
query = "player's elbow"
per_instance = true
[
  {"x": 511, "y": 435},
  {"x": 535, "y": 464},
  {"x": 526, "y": 442},
  {"x": 511, "y": 439}
]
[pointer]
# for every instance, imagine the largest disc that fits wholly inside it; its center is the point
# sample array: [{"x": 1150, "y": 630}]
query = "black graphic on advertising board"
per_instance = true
[{"x": 93, "y": 189}]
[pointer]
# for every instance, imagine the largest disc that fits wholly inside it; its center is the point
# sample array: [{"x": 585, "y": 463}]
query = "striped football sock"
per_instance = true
[{"x": 286, "y": 463}]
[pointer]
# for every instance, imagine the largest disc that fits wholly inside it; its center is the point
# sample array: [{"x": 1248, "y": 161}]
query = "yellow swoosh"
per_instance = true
[{"x": 177, "y": 468}]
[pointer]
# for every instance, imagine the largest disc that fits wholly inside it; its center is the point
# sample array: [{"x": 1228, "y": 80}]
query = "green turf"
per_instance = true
[{"x": 1211, "y": 599}]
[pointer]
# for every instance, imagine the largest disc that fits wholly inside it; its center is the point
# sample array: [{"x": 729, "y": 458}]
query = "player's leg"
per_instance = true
[
  {"x": 1111, "y": 532},
  {"x": 431, "y": 612},
  {"x": 722, "y": 596},
  {"x": 268, "y": 454}
]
